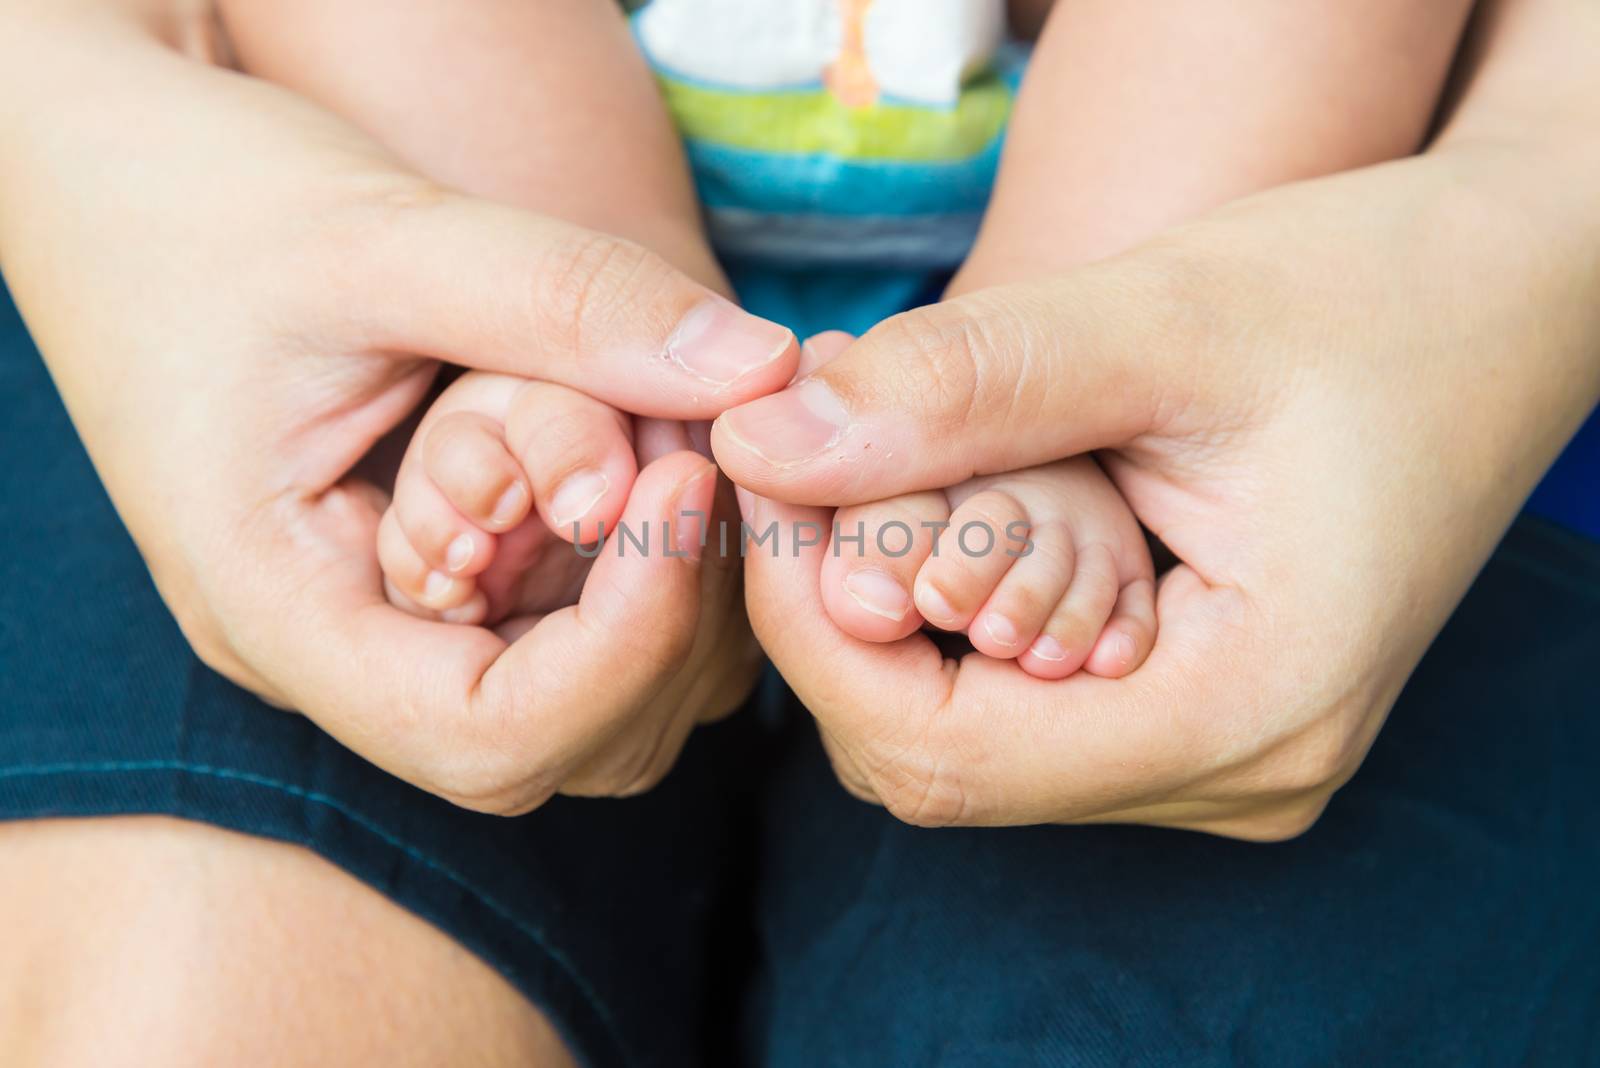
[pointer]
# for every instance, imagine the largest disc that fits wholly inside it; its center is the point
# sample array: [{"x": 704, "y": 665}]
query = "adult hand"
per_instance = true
[
  {"x": 239, "y": 294},
  {"x": 1328, "y": 401}
]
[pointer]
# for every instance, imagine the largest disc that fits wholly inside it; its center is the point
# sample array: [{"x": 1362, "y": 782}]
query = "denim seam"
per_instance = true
[{"x": 362, "y": 821}]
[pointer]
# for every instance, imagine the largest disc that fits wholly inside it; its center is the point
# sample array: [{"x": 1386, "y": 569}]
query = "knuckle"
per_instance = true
[
  {"x": 994, "y": 508},
  {"x": 640, "y": 784},
  {"x": 196, "y": 628},
  {"x": 640, "y": 769},
  {"x": 854, "y": 785},
  {"x": 1318, "y": 761},
  {"x": 941, "y": 362},
  {"x": 646, "y": 774},
  {"x": 393, "y": 195},
  {"x": 485, "y": 784},
  {"x": 919, "y": 795},
  {"x": 1022, "y": 601},
  {"x": 1282, "y": 823},
  {"x": 847, "y": 772},
  {"x": 563, "y": 438},
  {"x": 920, "y": 786},
  {"x": 454, "y": 438},
  {"x": 489, "y": 766},
  {"x": 587, "y": 283},
  {"x": 213, "y": 649},
  {"x": 1054, "y": 542}
]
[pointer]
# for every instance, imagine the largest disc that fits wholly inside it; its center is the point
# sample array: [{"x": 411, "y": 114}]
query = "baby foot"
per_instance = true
[
  {"x": 500, "y": 468},
  {"x": 1045, "y": 566}
]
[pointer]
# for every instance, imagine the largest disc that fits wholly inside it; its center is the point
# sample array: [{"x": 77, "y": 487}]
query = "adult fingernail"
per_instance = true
[
  {"x": 935, "y": 606},
  {"x": 689, "y": 531},
  {"x": 1001, "y": 629},
  {"x": 577, "y": 494},
  {"x": 791, "y": 426},
  {"x": 459, "y": 554},
  {"x": 721, "y": 343},
  {"x": 511, "y": 505},
  {"x": 878, "y": 593},
  {"x": 1047, "y": 648}
]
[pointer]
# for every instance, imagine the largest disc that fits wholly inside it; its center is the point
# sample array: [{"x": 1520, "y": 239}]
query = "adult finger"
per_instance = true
[
  {"x": 982, "y": 742},
  {"x": 456, "y": 710},
  {"x": 992, "y": 381},
  {"x": 487, "y": 286},
  {"x": 712, "y": 680}
]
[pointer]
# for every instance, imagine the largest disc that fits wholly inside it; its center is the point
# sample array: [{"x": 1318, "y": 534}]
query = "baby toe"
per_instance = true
[
  {"x": 407, "y": 573},
  {"x": 970, "y": 557},
  {"x": 577, "y": 453},
  {"x": 1129, "y": 634},
  {"x": 447, "y": 541},
  {"x": 1074, "y": 625},
  {"x": 464, "y": 454},
  {"x": 871, "y": 567},
  {"x": 1026, "y": 594}
]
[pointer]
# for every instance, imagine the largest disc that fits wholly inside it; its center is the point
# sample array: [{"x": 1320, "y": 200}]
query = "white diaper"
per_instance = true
[{"x": 918, "y": 51}]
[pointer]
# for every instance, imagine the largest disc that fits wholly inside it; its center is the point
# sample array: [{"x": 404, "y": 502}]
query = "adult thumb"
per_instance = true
[
  {"x": 487, "y": 286},
  {"x": 992, "y": 381}
]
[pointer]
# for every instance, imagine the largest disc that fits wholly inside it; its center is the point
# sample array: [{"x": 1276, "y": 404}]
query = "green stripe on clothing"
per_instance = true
[{"x": 812, "y": 122}]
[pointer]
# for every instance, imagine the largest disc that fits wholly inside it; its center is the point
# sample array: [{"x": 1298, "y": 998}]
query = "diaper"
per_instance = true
[{"x": 858, "y": 132}]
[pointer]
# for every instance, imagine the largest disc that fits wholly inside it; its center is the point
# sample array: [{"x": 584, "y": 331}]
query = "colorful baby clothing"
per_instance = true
[{"x": 827, "y": 132}]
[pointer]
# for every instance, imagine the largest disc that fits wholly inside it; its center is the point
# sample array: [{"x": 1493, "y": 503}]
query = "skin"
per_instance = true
[
  {"x": 1328, "y": 400},
  {"x": 1135, "y": 117},
  {"x": 324, "y": 265},
  {"x": 548, "y": 107},
  {"x": 1561, "y": 251},
  {"x": 184, "y": 945},
  {"x": 1131, "y": 118},
  {"x": 273, "y": 303}
]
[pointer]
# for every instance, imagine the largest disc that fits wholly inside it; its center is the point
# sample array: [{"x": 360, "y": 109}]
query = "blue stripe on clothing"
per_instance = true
[{"x": 829, "y": 185}]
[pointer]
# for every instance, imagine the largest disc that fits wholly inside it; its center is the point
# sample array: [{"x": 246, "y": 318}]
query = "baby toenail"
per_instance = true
[
  {"x": 459, "y": 555},
  {"x": 470, "y": 612},
  {"x": 1001, "y": 629},
  {"x": 1047, "y": 648},
  {"x": 1125, "y": 649},
  {"x": 935, "y": 605},
  {"x": 512, "y": 503},
  {"x": 878, "y": 593},
  {"x": 436, "y": 586},
  {"x": 576, "y": 496}
]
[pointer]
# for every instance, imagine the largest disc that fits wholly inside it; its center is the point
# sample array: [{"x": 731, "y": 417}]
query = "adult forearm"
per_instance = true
[{"x": 1521, "y": 139}]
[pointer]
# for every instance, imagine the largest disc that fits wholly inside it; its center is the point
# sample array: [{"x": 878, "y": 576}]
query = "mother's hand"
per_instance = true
[
  {"x": 1328, "y": 401},
  {"x": 238, "y": 295}
]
